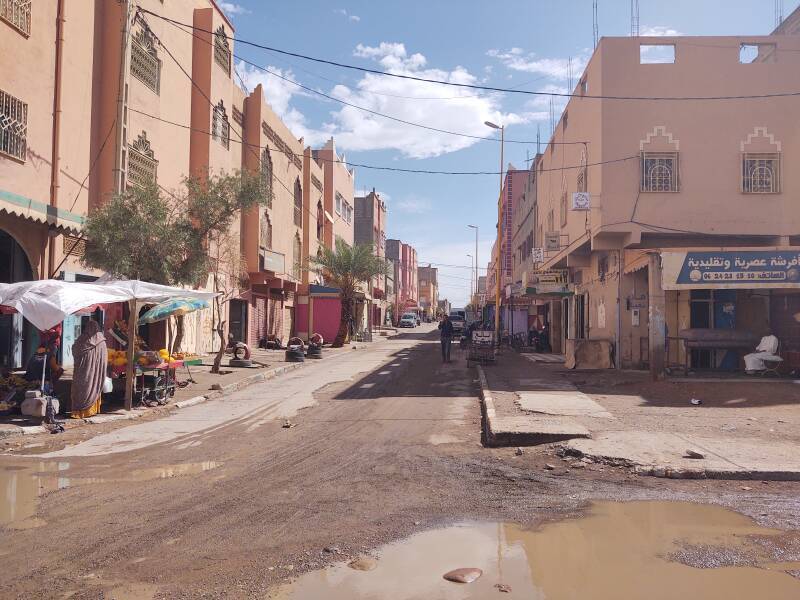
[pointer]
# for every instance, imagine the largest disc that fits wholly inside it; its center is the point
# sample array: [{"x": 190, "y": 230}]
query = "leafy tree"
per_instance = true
[
  {"x": 348, "y": 268},
  {"x": 173, "y": 239}
]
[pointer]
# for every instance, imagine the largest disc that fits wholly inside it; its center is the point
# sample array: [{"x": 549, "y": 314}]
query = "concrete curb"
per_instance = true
[
  {"x": 225, "y": 390},
  {"x": 522, "y": 430},
  {"x": 487, "y": 407}
]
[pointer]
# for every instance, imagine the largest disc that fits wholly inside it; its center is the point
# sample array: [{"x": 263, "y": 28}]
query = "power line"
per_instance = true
[
  {"x": 472, "y": 85},
  {"x": 375, "y": 112},
  {"x": 376, "y": 167}
]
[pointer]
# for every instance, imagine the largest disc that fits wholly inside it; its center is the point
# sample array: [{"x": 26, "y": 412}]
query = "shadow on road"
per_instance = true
[{"x": 417, "y": 371}]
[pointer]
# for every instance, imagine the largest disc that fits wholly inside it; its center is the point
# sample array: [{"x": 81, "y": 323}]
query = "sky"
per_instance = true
[{"x": 525, "y": 44}]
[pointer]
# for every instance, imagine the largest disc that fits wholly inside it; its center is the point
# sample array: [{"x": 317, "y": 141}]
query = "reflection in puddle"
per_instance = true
[
  {"x": 616, "y": 553},
  {"x": 21, "y": 485}
]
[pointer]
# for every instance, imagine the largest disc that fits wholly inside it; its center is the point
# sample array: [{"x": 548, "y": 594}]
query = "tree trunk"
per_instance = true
[
  {"x": 344, "y": 322},
  {"x": 222, "y": 345},
  {"x": 176, "y": 345}
]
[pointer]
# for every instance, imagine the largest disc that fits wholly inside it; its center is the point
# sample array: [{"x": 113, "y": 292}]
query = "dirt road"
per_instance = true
[{"x": 229, "y": 510}]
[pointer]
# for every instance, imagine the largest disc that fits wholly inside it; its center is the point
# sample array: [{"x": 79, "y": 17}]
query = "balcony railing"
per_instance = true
[{"x": 17, "y": 13}]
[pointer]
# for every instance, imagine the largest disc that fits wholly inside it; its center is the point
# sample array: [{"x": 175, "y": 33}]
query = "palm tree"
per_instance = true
[{"x": 347, "y": 268}]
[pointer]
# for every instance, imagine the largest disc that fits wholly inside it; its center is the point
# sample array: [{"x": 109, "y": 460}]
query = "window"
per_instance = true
[
  {"x": 602, "y": 268},
  {"x": 13, "y": 126},
  {"x": 757, "y": 53},
  {"x": 142, "y": 165},
  {"x": 265, "y": 232},
  {"x": 74, "y": 245},
  {"x": 656, "y": 54},
  {"x": 237, "y": 115},
  {"x": 551, "y": 225},
  {"x": 298, "y": 203},
  {"x": 581, "y": 182},
  {"x": 17, "y": 13},
  {"x": 564, "y": 209},
  {"x": 761, "y": 173},
  {"x": 339, "y": 202},
  {"x": 220, "y": 126},
  {"x": 584, "y": 86},
  {"x": 565, "y": 120},
  {"x": 266, "y": 175},
  {"x": 660, "y": 172},
  {"x": 145, "y": 65},
  {"x": 297, "y": 257},
  {"x": 320, "y": 221},
  {"x": 222, "y": 50}
]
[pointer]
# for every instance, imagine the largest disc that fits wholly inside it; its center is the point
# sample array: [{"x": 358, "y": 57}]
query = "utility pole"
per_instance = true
[
  {"x": 499, "y": 268},
  {"x": 475, "y": 227},
  {"x": 595, "y": 24}
]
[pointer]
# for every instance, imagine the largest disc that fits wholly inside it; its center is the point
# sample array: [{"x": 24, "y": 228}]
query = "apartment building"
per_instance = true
[
  {"x": 370, "y": 229},
  {"x": 655, "y": 216},
  {"x": 428, "y": 280},
  {"x": 122, "y": 97},
  {"x": 404, "y": 257},
  {"x": 339, "y": 186}
]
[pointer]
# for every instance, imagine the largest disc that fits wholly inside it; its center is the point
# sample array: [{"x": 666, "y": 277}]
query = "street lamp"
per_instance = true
[
  {"x": 471, "y": 260},
  {"x": 499, "y": 272},
  {"x": 475, "y": 227}
]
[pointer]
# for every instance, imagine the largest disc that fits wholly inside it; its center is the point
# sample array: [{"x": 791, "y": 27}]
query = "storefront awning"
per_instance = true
[
  {"x": 635, "y": 260},
  {"x": 38, "y": 212}
]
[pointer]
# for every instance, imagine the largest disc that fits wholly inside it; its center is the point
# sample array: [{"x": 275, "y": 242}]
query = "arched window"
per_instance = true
[
  {"x": 320, "y": 220},
  {"x": 297, "y": 257},
  {"x": 222, "y": 50},
  {"x": 142, "y": 164},
  {"x": 582, "y": 174},
  {"x": 298, "y": 203},
  {"x": 220, "y": 126},
  {"x": 266, "y": 175},
  {"x": 660, "y": 172},
  {"x": 266, "y": 232},
  {"x": 145, "y": 64},
  {"x": 761, "y": 173}
]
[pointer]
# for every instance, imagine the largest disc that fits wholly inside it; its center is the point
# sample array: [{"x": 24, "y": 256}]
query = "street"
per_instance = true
[{"x": 234, "y": 496}]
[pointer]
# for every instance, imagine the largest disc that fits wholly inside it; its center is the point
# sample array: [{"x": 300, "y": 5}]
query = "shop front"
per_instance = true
[
  {"x": 549, "y": 292},
  {"x": 738, "y": 296}
]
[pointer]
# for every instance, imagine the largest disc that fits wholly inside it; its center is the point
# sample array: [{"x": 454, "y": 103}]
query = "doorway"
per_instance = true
[
  {"x": 18, "y": 338},
  {"x": 238, "y": 320}
]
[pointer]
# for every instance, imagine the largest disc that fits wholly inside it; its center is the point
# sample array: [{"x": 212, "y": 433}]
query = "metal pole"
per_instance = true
[
  {"x": 130, "y": 370},
  {"x": 476, "y": 266},
  {"x": 499, "y": 242}
]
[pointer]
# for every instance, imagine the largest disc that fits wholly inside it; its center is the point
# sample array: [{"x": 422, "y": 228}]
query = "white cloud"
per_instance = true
[
  {"x": 659, "y": 31},
  {"x": 279, "y": 93},
  {"x": 232, "y": 8},
  {"x": 554, "y": 68},
  {"x": 344, "y": 13},
  {"x": 412, "y": 205},
  {"x": 464, "y": 111}
]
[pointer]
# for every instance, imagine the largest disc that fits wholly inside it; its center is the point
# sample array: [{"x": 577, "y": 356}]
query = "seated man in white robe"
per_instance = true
[{"x": 765, "y": 352}]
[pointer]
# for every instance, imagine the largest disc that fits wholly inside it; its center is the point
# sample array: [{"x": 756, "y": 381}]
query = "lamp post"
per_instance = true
[
  {"x": 475, "y": 227},
  {"x": 499, "y": 271},
  {"x": 471, "y": 265}
]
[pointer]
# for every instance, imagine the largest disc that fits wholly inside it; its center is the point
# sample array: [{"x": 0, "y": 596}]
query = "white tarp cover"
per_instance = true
[{"x": 47, "y": 302}]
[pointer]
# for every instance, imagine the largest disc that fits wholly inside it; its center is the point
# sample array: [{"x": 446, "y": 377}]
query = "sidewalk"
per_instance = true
[
  {"x": 742, "y": 430},
  {"x": 267, "y": 364}
]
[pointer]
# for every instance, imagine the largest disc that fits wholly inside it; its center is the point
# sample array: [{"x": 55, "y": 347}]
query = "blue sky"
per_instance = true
[{"x": 515, "y": 43}]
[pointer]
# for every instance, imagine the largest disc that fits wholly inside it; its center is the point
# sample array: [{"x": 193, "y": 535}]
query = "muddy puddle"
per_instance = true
[
  {"x": 619, "y": 551},
  {"x": 22, "y": 484}
]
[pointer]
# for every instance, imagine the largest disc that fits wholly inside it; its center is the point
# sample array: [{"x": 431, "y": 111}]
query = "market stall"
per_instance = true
[{"x": 47, "y": 303}]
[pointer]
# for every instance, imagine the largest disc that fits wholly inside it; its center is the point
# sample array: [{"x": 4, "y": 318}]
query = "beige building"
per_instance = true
[
  {"x": 428, "y": 281},
  {"x": 688, "y": 213},
  {"x": 121, "y": 97}
]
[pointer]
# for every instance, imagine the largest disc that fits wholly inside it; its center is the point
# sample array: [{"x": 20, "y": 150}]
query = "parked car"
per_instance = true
[{"x": 408, "y": 320}]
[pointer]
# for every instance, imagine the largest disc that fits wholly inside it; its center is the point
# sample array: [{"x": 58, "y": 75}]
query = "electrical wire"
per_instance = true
[
  {"x": 375, "y": 167},
  {"x": 471, "y": 85},
  {"x": 375, "y": 112}
]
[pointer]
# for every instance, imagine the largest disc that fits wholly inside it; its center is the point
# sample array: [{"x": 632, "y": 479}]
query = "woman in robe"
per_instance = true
[{"x": 91, "y": 358}]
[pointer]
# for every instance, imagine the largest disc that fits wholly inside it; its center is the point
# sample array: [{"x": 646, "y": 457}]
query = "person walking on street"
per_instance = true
[{"x": 446, "y": 332}]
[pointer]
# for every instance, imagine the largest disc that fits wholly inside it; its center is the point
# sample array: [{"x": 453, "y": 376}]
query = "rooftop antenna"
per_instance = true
[
  {"x": 552, "y": 117},
  {"x": 538, "y": 138},
  {"x": 569, "y": 75},
  {"x": 595, "y": 24},
  {"x": 778, "y": 12},
  {"x": 634, "y": 18}
]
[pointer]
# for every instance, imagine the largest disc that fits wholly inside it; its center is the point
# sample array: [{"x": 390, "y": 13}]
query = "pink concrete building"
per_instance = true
[
  {"x": 370, "y": 228},
  {"x": 657, "y": 216},
  {"x": 404, "y": 258}
]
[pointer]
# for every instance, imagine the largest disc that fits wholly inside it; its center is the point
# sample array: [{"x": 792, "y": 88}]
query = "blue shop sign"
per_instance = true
[{"x": 748, "y": 267}]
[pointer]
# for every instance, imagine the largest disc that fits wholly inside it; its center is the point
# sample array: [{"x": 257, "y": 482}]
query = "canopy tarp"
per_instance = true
[{"x": 47, "y": 302}]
